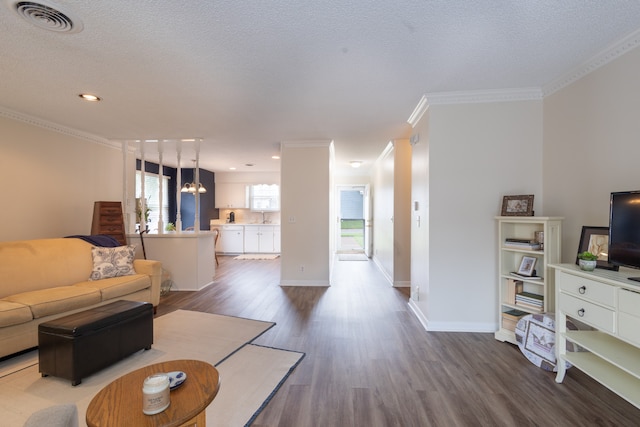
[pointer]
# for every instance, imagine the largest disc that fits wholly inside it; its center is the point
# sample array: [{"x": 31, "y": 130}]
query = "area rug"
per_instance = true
[
  {"x": 257, "y": 256},
  {"x": 352, "y": 257},
  {"x": 250, "y": 374}
]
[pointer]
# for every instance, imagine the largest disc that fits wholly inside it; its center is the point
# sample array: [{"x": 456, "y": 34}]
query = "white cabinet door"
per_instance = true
[
  {"x": 231, "y": 195},
  {"x": 266, "y": 239},
  {"x": 258, "y": 239},
  {"x": 231, "y": 239},
  {"x": 252, "y": 239}
]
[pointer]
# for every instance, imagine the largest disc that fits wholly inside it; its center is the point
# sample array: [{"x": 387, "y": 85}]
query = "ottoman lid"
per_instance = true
[{"x": 96, "y": 318}]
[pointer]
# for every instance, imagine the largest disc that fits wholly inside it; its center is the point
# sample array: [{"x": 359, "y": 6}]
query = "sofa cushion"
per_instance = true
[
  {"x": 56, "y": 300},
  {"x": 12, "y": 313},
  {"x": 112, "y": 262},
  {"x": 32, "y": 265},
  {"x": 116, "y": 287}
]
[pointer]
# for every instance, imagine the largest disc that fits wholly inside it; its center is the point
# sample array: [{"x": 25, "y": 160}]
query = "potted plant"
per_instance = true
[{"x": 587, "y": 261}]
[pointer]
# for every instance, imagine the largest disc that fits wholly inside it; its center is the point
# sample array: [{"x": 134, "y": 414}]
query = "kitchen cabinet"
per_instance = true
[
  {"x": 231, "y": 239},
  {"x": 259, "y": 239},
  {"x": 231, "y": 195}
]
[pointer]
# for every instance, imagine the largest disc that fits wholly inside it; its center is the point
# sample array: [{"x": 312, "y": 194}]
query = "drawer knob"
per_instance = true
[
  {"x": 581, "y": 312},
  {"x": 582, "y": 290}
]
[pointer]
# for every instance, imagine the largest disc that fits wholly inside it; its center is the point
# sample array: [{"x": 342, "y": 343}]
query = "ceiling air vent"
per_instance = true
[{"x": 47, "y": 16}]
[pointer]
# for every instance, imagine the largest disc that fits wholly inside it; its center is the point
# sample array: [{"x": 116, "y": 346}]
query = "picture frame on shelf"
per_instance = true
[
  {"x": 527, "y": 266},
  {"x": 596, "y": 241},
  {"x": 521, "y": 205}
]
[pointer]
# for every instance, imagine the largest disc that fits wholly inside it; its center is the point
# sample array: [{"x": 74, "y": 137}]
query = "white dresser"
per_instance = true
[{"x": 608, "y": 302}]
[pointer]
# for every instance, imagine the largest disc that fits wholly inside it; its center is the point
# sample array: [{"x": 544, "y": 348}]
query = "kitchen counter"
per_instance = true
[
  {"x": 241, "y": 223},
  {"x": 188, "y": 256}
]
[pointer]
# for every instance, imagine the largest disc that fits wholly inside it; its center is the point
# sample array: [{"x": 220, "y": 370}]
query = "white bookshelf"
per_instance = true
[{"x": 509, "y": 260}]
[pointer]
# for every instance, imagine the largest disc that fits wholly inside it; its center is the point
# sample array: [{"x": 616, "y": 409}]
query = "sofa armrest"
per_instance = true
[{"x": 154, "y": 270}]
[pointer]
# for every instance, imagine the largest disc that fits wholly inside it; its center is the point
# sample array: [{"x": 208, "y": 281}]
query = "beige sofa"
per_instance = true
[{"x": 44, "y": 279}]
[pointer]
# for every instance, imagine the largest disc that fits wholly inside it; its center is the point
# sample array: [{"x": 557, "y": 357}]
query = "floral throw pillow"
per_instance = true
[{"x": 112, "y": 262}]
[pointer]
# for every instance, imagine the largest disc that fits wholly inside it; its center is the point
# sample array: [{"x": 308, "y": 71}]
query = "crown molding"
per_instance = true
[
  {"x": 418, "y": 112},
  {"x": 602, "y": 58},
  {"x": 24, "y": 118},
  {"x": 484, "y": 96}
]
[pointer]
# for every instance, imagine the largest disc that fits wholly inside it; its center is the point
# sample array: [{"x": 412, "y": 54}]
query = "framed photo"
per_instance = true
[
  {"x": 596, "y": 241},
  {"x": 527, "y": 265},
  {"x": 517, "y": 205}
]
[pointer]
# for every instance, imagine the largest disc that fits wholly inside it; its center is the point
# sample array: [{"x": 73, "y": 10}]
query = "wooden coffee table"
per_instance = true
[{"x": 120, "y": 403}]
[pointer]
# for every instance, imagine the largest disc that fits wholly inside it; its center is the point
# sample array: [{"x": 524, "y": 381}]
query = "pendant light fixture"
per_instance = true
[{"x": 192, "y": 187}]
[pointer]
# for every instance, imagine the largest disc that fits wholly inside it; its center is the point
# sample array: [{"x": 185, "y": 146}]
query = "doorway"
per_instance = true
[{"x": 353, "y": 219}]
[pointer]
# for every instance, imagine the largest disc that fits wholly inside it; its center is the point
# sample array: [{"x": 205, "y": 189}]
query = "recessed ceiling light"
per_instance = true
[
  {"x": 232, "y": 168},
  {"x": 355, "y": 163},
  {"x": 90, "y": 97},
  {"x": 275, "y": 157}
]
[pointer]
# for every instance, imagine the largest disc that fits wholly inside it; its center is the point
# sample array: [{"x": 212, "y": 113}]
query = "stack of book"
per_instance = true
[
  {"x": 510, "y": 319},
  {"x": 530, "y": 301},
  {"x": 526, "y": 244}
]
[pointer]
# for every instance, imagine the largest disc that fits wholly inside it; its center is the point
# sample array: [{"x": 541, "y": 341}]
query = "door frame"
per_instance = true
[{"x": 366, "y": 212}]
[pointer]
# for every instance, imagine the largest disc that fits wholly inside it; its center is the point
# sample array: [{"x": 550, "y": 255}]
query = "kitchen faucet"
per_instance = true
[{"x": 263, "y": 220}]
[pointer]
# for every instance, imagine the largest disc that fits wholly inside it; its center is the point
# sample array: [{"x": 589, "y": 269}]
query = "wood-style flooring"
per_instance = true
[{"x": 370, "y": 363}]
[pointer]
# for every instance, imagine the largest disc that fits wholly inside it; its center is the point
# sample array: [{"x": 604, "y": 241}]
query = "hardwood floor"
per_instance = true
[{"x": 370, "y": 363}]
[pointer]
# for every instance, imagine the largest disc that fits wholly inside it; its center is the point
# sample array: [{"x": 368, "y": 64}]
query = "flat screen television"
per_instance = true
[{"x": 624, "y": 230}]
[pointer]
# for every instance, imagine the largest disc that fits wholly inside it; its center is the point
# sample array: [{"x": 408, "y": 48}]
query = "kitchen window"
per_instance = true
[{"x": 264, "y": 197}]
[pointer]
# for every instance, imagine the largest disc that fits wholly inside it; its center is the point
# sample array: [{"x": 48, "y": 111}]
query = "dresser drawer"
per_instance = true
[
  {"x": 586, "y": 289},
  {"x": 111, "y": 229},
  {"x": 110, "y": 220},
  {"x": 591, "y": 314},
  {"x": 111, "y": 210}
]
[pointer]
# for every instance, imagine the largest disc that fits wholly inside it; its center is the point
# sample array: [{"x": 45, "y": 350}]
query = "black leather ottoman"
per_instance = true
[{"x": 78, "y": 345}]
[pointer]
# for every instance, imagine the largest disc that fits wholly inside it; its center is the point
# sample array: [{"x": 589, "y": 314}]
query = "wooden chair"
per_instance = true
[{"x": 216, "y": 234}]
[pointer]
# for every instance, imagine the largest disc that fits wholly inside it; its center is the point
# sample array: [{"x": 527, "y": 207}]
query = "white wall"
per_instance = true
[
  {"x": 476, "y": 154},
  {"x": 49, "y": 181},
  {"x": 382, "y": 198},
  {"x": 592, "y": 146},
  {"x": 306, "y": 198},
  {"x": 391, "y": 194},
  {"x": 402, "y": 213},
  {"x": 420, "y": 217}
]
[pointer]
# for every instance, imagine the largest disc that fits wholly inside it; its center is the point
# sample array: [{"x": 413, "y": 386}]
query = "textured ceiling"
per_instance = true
[{"x": 245, "y": 75}]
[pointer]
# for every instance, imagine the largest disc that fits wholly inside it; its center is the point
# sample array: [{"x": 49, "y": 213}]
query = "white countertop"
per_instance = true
[
  {"x": 243, "y": 223},
  {"x": 175, "y": 234}
]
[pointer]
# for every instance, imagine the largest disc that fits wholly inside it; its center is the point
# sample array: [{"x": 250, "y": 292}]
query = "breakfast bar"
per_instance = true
[{"x": 188, "y": 256}]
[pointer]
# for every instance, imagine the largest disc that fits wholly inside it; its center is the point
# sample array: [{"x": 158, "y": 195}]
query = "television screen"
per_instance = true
[{"x": 624, "y": 229}]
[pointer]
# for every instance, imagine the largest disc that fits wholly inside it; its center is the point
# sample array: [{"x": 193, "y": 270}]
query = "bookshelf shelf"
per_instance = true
[{"x": 509, "y": 259}]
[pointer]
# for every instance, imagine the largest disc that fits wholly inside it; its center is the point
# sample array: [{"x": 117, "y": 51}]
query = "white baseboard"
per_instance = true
[
  {"x": 431, "y": 326},
  {"x": 321, "y": 283}
]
